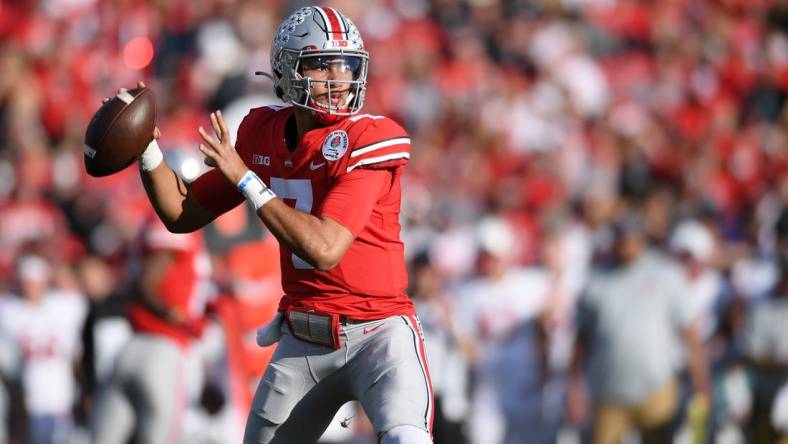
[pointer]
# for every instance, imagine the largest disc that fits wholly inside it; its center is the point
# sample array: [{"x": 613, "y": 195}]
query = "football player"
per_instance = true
[
  {"x": 148, "y": 393},
  {"x": 325, "y": 180}
]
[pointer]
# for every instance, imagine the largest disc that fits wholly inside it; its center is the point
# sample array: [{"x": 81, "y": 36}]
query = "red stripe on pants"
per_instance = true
[{"x": 423, "y": 357}]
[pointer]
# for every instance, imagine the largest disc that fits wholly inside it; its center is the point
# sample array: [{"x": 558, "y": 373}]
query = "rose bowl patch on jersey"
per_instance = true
[{"x": 335, "y": 145}]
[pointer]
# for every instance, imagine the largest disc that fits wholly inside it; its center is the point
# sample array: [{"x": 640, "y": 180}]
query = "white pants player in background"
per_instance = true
[
  {"x": 44, "y": 324},
  {"x": 150, "y": 387}
]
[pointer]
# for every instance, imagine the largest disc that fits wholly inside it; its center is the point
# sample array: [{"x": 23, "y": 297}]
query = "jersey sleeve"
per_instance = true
[
  {"x": 379, "y": 143},
  {"x": 214, "y": 193},
  {"x": 353, "y": 197}
]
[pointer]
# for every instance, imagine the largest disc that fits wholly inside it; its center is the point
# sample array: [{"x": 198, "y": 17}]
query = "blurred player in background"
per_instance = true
[
  {"x": 633, "y": 322},
  {"x": 448, "y": 354},
  {"x": 326, "y": 182},
  {"x": 503, "y": 313},
  {"x": 43, "y": 325},
  {"x": 765, "y": 351},
  {"x": 148, "y": 392},
  {"x": 106, "y": 329}
]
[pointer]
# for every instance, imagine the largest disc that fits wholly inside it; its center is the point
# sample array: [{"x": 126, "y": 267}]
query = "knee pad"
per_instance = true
[{"x": 406, "y": 434}]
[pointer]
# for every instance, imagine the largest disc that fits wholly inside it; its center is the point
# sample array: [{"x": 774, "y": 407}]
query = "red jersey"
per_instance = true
[
  {"x": 349, "y": 171},
  {"x": 181, "y": 285}
]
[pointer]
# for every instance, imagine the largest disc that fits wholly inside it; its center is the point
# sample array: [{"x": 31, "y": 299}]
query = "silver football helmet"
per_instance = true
[{"x": 319, "y": 37}]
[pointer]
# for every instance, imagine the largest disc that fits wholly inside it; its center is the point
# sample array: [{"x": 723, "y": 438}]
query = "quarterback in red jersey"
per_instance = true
[
  {"x": 325, "y": 180},
  {"x": 348, "y": 172}
]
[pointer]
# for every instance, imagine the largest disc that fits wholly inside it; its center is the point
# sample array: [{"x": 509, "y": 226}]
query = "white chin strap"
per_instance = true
[
  {"x": 328, "y": 109},
  {"x": 349, "y": 98}
]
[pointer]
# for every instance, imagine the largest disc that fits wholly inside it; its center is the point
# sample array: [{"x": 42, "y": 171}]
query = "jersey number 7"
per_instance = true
[{"x": 299, "y": 190}]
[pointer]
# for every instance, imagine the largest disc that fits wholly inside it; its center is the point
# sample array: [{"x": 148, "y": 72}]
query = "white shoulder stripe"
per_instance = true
[
  {"x": 365, "y": 116},
  {"x": 379, "y": 145},
  {"x": 371, "y": 160}
]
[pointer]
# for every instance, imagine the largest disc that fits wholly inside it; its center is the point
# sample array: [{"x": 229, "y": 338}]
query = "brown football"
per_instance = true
[{"x": 119, "y": 132}]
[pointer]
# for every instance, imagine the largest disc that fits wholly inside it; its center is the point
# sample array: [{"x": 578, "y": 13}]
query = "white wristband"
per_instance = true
[
  {"x": 254, "y": 190},
  {"x": 151, "y": 157}
]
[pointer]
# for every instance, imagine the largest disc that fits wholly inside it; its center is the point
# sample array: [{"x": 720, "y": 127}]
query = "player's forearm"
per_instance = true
[
  {"x": 306, "y": 235},
  {"x": 167, "y": 193}
]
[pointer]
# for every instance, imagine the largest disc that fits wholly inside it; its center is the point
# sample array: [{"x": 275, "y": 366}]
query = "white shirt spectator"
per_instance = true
[
  {"x": 47, "y": 336},
  {"x": 497, "y": 313}
]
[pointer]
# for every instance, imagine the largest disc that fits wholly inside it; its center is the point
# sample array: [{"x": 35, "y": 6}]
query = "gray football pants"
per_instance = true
[
  {"x": 146, "y": 396},
  {"x": 382, "y": 364}
]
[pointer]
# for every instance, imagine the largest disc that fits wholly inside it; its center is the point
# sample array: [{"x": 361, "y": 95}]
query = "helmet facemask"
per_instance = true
[
  {"x": 352, "y": 62},
  {"x": 310, "y": 38}
]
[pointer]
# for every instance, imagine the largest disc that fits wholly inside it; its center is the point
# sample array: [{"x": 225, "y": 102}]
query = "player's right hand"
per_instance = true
[{"x": 140, "y": 84}]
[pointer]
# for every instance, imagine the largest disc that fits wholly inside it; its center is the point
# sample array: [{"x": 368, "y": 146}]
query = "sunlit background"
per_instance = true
[{"x": 543, "y": 133}]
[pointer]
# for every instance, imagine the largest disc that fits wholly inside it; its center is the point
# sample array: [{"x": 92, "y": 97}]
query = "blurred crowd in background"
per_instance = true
[{"x": 594, "y": 211}]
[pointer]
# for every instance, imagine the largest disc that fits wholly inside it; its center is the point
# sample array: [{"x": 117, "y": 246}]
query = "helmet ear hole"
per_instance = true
[{"x": 279, "y": 92}]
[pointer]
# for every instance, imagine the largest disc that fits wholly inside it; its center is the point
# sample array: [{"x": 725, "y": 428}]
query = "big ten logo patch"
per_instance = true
[
  {"x": 329, "y": 44},
  {"x": 258, "y": 159},
  {"x": 335, "y": 145}
]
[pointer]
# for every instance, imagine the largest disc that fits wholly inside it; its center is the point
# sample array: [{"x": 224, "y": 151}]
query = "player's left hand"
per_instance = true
[{"x": 219, "y": 152}]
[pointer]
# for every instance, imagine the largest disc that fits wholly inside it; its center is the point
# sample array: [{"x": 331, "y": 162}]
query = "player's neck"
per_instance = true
[
  {"x": 291, "y": 134},
  {"x": 305, "y": 122}
]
